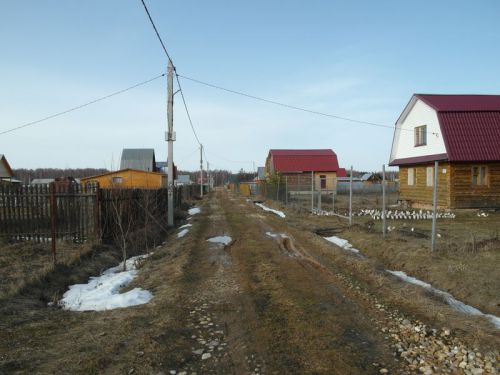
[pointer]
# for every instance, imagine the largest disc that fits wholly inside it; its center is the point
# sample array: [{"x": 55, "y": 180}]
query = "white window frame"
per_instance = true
[
  {"x": 117, "y": 180},
  {"x": 430, "y": 176},
  {"x": 420, "y": 135},
  {"x": 411, "y": 176}
]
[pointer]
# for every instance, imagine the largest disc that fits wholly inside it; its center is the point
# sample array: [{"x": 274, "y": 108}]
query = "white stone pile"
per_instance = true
[{"x": 376, "y": 214}]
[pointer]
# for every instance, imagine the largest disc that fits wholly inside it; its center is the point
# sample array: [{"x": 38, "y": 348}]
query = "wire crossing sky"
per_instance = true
[{"x": 359, "y": 60}]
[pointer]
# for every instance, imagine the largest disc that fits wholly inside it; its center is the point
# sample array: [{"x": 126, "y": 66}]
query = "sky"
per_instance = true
[{"x": 356, "y": 59}]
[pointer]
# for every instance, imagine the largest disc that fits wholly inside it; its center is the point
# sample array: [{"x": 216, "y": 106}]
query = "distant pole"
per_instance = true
[
  {"x": 208, "y": 176},
  {"x": 434, "y": 206},
  {"x": 170, "y": 140},
  {"x": 312, "y": 192},
  {"x": 286, "y": 190},
  {"x": 333, "y": 193},
  {"x": 383, "y": 201},
  {"x": 319, "y": 195},
  {"x": 350, "y": 198},
  {"x": 201, "y": 170}
]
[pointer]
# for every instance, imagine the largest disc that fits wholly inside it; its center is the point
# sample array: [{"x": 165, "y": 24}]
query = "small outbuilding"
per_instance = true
[
  {"x": 128, "y": 179},
  {"x": 299, "y": 165},
  {"x": 462, "y": 133}
]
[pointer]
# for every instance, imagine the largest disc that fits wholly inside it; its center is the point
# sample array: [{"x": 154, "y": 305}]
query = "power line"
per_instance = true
[
  {"x": 175, "y": 71},
  {"x": 81, "y": 105},
  {"x": 156, "y": 31},
  {"x": 289, "y": 105}
]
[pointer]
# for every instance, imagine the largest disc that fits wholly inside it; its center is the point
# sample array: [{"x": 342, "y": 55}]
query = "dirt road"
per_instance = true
[{"x": 271, "y": 301}]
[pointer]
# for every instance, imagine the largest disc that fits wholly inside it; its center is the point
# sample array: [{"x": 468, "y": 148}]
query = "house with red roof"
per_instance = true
[
  {"x": 300, "y": 165},
  {"x": 462, "y": 133}
]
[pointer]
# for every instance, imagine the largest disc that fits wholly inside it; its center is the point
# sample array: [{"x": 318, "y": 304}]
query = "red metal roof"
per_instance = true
[
  {"x": 471, "y": 136},
  {"x": 461, "y": 103},
  {"x": 470, "y": 127},
  {"x": 341, "y": 172},
  {"x": 290, "y": 161}
]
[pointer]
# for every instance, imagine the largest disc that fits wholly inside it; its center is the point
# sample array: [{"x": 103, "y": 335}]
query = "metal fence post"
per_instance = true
[
  {"x": 312, "y": 192},
  {"x": 350, "y": 198},
  {"x": 53, "y": 211},
  {"x": 319, "y": 197},
  {"x": 286, "y": 190},
  {"x": 334, "y": 187},
  {"x": 384, "y": 229},
  {"x": 434, "y": 206},
  {"x": 278, "y": 189}
]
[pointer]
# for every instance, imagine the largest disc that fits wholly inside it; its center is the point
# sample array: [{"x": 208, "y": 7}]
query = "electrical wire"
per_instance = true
[
  {"x": 289, "y": 105},
  {"x": 175, "y": 71},
  {"x": 81, "y": 105}
]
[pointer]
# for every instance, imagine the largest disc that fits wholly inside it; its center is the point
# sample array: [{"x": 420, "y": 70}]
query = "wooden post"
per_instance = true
[
  {"x": 383, "y": 201},
  {"x": 434, "y": 206},
  {"x": 350, "y": 199},
  {"x": 53, "y": 211}
]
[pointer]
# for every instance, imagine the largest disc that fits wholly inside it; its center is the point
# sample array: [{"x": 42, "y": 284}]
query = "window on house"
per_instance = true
[
  {"x": 322, "y": 179},
  {"x": 411, "y": 176},
  {"x": 421, "y": 135},
  {"x": 117, "y": 180},
  {"x": 480, "y": 175},
  {"x": 430, "y": 176}
]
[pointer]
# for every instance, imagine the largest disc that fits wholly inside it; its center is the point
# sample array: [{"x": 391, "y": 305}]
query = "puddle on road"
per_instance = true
[{"x": 216, "y": 250}]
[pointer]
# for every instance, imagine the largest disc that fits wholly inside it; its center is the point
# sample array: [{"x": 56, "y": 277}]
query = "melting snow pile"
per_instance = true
[
  {"x": 279, "y": 213},
  {"x": 194, "y": 211},
  {"x": 182, "y": 233},
  {"x": 103, "y": 292},
  {"x": 450, "y": 300},
  {"x": 344, "y": 244},
  {"x": 225, "y": 240}
]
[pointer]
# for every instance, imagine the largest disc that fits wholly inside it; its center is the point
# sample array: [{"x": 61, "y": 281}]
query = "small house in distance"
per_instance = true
[
  {"x": 6, "y": 174},
  {"x": 299, "y": 165},
  {"x": 462, "y": 133},
  {"x": 128, "y": 179},
  {"x": 142, "y": 159}
]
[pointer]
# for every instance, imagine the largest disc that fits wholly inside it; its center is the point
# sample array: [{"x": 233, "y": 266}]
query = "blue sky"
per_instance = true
[{"x": 359, "y": 59}]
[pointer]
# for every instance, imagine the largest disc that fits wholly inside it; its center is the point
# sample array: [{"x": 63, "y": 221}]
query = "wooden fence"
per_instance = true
[
  {"x": 65, "y": 211},
  {"x": 44, "y": 212}
]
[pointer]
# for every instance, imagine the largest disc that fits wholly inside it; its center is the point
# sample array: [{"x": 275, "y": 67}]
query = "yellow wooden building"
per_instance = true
[{"x": 128, "y": 179}]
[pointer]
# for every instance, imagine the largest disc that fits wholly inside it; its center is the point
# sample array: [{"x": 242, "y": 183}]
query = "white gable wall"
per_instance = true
[{"x": 403, "y": 145}]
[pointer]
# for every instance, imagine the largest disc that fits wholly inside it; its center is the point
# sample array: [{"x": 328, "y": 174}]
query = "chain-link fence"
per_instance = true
[{"x": 325, "y": 195}]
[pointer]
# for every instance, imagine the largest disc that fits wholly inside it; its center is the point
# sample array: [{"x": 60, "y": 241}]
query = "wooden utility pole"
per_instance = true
[
  {"x": 434, "y": 206},
  {"x": 201, "y": 170},
  {"x": 170, "y": 140}
]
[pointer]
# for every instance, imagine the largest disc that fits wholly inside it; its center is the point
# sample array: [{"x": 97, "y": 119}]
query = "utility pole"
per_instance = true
[
  {"x": 201, "y": 170},
  {"x": 170, "y": 140}
]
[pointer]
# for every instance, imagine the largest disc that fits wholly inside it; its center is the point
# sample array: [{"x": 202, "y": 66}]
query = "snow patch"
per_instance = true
[
  {"x": 194, "y": 211},
  {"x": 103, "y": 292},
  {"x": 447, "y": 297},
  {"x": 182, "y": 233},
  {"x": 226, "y": 240},
  {"x": 344, "y": 244},
  {"x": 274, "y": 235},
  {"x": 186, "y": 226},
  {"x": 265, "y": 208}
]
